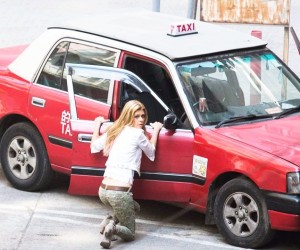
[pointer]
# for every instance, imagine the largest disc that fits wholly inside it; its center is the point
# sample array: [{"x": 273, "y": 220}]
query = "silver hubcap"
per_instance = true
[
  {"x": 21, "y": 158},
  {"x": 241, "y": 214}
]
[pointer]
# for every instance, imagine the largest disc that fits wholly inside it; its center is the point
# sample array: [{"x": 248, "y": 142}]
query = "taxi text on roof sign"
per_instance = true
[{"x": 180, "y": 29}]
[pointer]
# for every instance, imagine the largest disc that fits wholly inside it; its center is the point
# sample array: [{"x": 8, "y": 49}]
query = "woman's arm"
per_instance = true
[
  {"x": 149, "y": 146},
  {"x": 96, "y": 144}
]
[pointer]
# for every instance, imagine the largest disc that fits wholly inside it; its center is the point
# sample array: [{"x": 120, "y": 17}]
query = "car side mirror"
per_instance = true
[{"x": 170, "y": 121}]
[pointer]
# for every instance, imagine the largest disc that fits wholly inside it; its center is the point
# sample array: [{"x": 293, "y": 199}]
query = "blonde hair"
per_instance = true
[{"x": 126, "y": 118}]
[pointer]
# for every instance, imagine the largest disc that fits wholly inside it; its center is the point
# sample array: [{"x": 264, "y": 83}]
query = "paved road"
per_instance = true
[{"x": 53, "y": 219}]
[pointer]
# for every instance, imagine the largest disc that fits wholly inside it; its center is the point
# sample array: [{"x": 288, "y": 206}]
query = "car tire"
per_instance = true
[
  {"x": 24, "y": 158},
  {"x": 241, "y": 214}
]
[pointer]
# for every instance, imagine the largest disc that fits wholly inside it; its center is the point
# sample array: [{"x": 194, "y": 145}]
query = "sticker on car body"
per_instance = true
[{"x": 200, "y": 166}]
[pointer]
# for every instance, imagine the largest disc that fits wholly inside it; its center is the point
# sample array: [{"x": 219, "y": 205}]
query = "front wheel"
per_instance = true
[
  {"x": 24, "y": 158},
  {"x": 241, "y": 214}
]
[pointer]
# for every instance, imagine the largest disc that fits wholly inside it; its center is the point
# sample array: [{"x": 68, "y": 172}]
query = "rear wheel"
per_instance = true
[
  {"x": 24, "y": 158},
  {"x": 241, "y": 214}
]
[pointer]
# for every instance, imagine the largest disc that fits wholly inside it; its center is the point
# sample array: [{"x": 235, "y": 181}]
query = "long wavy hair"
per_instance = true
[{"x": 126, "y": 118}]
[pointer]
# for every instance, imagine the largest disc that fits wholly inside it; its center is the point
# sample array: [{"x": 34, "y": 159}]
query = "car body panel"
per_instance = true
[
  {"x": 8, "y": 55},
  {"x": 157, "y": 178},
  {"x": 277, "y": 137}
]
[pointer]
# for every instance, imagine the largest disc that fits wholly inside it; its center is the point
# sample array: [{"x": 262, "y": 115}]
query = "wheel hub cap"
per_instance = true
[
  {"x": 21, "y": 158},
  {"x": 241, "y": 214}
]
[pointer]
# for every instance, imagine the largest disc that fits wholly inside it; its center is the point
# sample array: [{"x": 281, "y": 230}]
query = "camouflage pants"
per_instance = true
[{"x": 123, "y": 207}]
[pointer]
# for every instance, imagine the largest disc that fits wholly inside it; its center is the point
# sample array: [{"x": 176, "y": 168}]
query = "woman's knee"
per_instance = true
[{"x": 124, "y": 233}]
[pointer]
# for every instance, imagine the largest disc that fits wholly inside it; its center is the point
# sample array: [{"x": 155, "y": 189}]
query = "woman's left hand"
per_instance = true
[{"x": 156, "y": 125}]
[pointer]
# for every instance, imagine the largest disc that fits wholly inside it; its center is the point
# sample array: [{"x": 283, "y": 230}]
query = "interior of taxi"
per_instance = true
[{"x": 157, "y": 78}]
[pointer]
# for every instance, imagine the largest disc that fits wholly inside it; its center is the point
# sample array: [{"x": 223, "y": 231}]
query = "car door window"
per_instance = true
[
  {"x": 90, "y": 87},
  {"x": 155, "y": 111},
  {"x": 54, "y": 72},
  {"x": 154, "y": 75},
  {"x": 158, "y": 79}
]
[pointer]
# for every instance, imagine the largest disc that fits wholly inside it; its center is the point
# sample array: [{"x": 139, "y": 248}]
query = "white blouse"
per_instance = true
[{"x": 125, "y": 154}]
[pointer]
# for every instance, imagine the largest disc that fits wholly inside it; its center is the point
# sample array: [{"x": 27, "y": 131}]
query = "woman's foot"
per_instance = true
[
  {"x": 109, "y": 231},
  {"x": 105, "y": 222}
]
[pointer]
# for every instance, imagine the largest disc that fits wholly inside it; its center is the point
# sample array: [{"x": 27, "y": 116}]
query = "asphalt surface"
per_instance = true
[{"x": 55, "y": 220}]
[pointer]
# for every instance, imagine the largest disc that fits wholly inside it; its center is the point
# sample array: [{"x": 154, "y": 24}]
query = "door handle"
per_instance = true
[
  {"x": 85, "y": 138},
  {"x": 39, "y": 102}
]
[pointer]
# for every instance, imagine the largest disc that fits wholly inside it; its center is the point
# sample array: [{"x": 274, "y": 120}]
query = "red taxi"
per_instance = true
[{"x": 230, "y": 146}]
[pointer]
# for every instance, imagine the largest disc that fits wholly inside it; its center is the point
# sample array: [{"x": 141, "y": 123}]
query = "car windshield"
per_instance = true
[{"x": 251, "y": 86}]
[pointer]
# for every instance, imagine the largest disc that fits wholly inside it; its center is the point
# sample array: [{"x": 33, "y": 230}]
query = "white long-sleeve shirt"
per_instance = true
[{"x": 125, "y": 154}]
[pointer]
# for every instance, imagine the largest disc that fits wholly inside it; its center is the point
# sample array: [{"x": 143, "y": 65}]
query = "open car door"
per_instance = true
[
  {"x": 168, "y": 178},
  {"x": 87, "y": 168}
]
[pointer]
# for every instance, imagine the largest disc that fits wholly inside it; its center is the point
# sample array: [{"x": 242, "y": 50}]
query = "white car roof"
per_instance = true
[
  {"x": 149, "y": 30},
  {"x": 144, "y": 29}
]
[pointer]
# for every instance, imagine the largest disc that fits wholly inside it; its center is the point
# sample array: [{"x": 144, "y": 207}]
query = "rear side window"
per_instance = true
[{"x": 54, "y": 73}]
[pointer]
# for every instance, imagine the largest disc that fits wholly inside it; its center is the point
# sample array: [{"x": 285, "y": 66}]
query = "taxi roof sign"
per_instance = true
[{"x": 181, "y": 29}]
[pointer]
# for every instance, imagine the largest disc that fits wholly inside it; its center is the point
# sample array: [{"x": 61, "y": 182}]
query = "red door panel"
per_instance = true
[
  {"x": 58, "y": 136},
  {"x": 169, "y": 177},
  {"x": 50, "y": 108}
]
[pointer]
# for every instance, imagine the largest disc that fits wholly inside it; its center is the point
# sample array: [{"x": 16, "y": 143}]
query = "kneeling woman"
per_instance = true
[{"x": 123, "y": 143}]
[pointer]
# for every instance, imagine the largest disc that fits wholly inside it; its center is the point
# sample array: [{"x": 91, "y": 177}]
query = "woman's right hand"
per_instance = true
[{"x": 98, "y": 121}]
